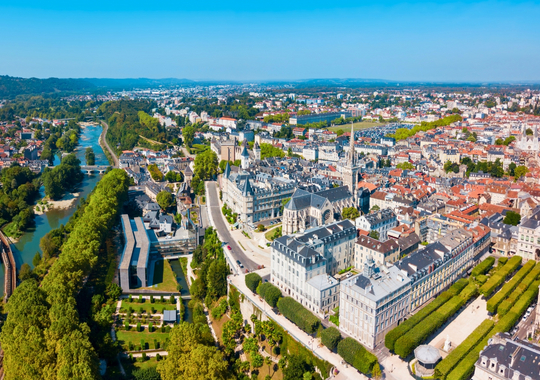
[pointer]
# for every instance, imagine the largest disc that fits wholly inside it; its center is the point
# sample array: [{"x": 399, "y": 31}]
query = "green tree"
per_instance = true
[
  {"x": 374, "y": 234},
  {"x": 520, "y": 171},
  {"x": 529, "y": 132},
  {"x": 512, "y": 218},
  {"x": 191, "y": 356},
  {"x": 165, "y": 200},
  {"x": 405, "y": 166},
  {"x": 90, "y": 156},
  {"x": 350, "y": 213},
  {"x": 499, "y": 142},
  {"x": 296, "y": 368},
  {"x": 206, "y": 165},
  {"x": 188, "y": 134},
  {"x": 173, "y": 176},
  {"x": 25, "y": 272},
  {"x": 512, "y": 169},
  {"x": 36, "y": 260}
]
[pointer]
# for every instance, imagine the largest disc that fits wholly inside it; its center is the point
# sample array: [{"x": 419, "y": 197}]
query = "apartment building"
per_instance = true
[
  {"x": 302, "y": 265},
  {"x": 381, "y": 252},
  {"x": 381, "y": 222},
  {"x": 373, "y": 303},
  {"x": 528, "y": 245},
  {"x": 505, "y": 358}
]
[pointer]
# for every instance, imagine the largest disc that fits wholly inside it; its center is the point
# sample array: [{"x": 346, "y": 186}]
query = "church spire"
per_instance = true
[{"x": 351, "y": 149}]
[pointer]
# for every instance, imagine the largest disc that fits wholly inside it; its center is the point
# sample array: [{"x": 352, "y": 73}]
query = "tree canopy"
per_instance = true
[
  {"x": 165, "y": 199},
  {"x": 206, "y": 165},
  {"x": 62, "y": 178}
]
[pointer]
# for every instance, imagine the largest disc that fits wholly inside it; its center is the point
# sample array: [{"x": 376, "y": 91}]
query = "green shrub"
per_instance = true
[
  {"x": 356, "y": 355},
  {"x": 502, "y": 261},
  {"x": 393, "y": 335},
  {"x": 405, "y": 345},
  {"x": 269, "y": 293},
  {"x": 481, "y": 279},
  {"x": 458, "y": 286},
  {"x": 220, "y": 309},
  {"x": 252, "y": 281},
  {"x": 298, "y": 314},
  {"x": 505, "y": 291},
  {"x": 507, "y": 304},
  {"x": 500, "y": 276},
  {"x": 465, "y": 369},
  {"x": 455, "y": 356},
  {"x": 483, "y": 267},
  {"x": 330, "y": 337}
]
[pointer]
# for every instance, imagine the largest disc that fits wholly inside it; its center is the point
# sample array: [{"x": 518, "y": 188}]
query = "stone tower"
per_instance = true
[
  {"x": 257, "y": 151},
  {"x": 350, "y": 170}
]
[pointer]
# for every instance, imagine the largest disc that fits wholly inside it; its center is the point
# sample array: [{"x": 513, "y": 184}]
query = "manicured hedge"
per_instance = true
[
  {"x": 501, "y": 261},
  {"x": 457, "y": 354},
  {"x": 481, "y": 279},
  {"x": 507, "y": 304},
  {"x": 393, "y": 335},
  {"x": 470, "y": 291},
  {"x": 458, "y": 286},
  {"x": 252, "y": 281},
  {"x": 483, "y": 267},
  {"x": 405, "y": 345},
  {"x": 298, "y": 314},
  {"x": 356, "y": 355},
  {"x": 500, "y": 276},
  {"x": 465, "y": 369},
  {"x": 330, "y": 337},
  {"x": 510, "y": 319},
  {"x": 494, "y": 301},
  {"x": 269, "y": 293}
]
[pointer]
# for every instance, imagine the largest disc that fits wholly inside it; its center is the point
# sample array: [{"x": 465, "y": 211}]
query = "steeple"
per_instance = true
[
  {"x": 227, "y": 171},
  {"x": 350, "y": 160}
]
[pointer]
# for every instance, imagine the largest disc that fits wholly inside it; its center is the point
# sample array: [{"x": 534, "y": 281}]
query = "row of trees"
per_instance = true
[{"x": 43, "y": 336}]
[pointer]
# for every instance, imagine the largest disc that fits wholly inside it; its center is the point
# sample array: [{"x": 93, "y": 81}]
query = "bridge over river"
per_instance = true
[{"x": 94, "y": 168}]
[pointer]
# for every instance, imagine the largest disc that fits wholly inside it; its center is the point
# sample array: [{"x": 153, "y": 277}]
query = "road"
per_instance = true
[
  {"x": 223, "y": 229},
  {"x": 106, "y": 144},
  {"x": 525, "y": 326}
]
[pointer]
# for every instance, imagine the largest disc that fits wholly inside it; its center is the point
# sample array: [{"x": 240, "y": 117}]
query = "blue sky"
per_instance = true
[{"x": 273, "y": 40}]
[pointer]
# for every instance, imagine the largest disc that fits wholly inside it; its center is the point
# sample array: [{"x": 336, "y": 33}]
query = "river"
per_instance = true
[{"x": 27, "y": 246}]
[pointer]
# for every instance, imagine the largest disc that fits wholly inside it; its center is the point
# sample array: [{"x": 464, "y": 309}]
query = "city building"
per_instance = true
[
  {"x": 302, "y": 265},
  {"x": 505, "y": 358},
  {"x": 255, "y": 199},
  {"x": 381, "y": 222},
  {"x": 373, "y": 303},
  {"x": 305, "y": 209}
]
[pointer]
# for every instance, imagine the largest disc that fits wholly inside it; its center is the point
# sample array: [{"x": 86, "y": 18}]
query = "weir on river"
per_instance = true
[{"x": 26, "y": 247}]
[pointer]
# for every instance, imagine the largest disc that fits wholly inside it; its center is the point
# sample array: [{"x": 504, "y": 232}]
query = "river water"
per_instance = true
[{"x": 25, "y": 249}]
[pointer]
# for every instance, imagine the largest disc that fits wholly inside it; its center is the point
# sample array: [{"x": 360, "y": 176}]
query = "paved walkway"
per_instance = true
[
  {"x": 307, "y": 340},
  {"x": 461, "y": 327}
]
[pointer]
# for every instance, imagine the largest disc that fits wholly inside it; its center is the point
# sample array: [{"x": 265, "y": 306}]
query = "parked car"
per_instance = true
[{"x": 229, "y": 247}]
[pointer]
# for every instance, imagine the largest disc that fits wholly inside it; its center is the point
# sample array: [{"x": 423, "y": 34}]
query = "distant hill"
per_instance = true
[
  {"x": 13, "y": 86},
  {"x": 130, "y": 83}
]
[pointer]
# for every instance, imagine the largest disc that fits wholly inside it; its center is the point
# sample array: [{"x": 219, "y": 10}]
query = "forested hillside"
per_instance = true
[
  {"x": 129, "y": 119},
  {"x": 13, "y": 86}
]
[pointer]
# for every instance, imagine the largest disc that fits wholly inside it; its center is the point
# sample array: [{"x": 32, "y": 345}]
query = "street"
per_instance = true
[
  {"x": 224, "y": 230},
  {"x": 524, "y": 327}
]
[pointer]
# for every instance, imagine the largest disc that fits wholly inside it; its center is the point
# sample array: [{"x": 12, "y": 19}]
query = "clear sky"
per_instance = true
[{"x": 272, "y": 40}]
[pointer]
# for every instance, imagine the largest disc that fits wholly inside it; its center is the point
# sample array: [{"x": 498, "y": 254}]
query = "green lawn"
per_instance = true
[
  {"x": 125, "y": 337},
  {"x": 268, "y": 235},
  {"x": 164, "y": 277},
  {"x": 147, "y": 306},
  {"x": 357, "y": 126}
]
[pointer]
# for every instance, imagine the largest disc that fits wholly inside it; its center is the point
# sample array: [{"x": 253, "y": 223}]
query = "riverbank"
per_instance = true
[
  {"x": 107, "y": 151},
  {"x": 46, "y": 204}
]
